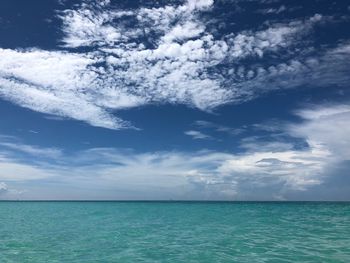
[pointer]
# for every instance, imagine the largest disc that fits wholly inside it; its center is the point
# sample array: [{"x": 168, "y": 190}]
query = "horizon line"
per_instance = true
[{"x": 180, "y": 201}]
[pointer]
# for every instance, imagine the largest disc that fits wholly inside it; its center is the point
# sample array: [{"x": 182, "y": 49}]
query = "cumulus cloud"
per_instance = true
[{"x": 112, "y": 59}]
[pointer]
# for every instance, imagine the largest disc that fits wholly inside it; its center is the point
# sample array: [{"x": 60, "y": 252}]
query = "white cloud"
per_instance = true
[
  {"x": 57, "y": 83},
  {"x": 33, "y": 150},
  {"x": 262, "y": 170},
  {"x": 150, "y": 56},
  {"x": 281, "y": 9},
  {"x": 297, "y": 170},
  {"x": 197, "y": 135},
  {"x": 218, "y": 128},
  {"x": 323, "y": 112},
  {"x": 253, "y": 144},
  {"x": 9, "y": 193},
  {"x": 3, "y": 187},
  {"x": 15, "y": 170},
  {"x": 183, "y": 32},
  {"x": 246, "y": 44},
  {"x": 250, "y": 43},
  {"x": 180, "y": 173},
  {"x": 329, "y": 125}
]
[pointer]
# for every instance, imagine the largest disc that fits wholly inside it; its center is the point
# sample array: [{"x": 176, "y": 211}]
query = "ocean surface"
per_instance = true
[{"x": 174, "y": 232}]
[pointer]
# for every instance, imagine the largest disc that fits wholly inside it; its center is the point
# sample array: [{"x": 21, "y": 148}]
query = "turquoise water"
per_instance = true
[{"x": 174, "y": 232}]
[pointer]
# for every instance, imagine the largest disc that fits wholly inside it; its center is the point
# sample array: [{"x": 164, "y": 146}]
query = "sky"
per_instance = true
[{"x": 175, "y": 100}]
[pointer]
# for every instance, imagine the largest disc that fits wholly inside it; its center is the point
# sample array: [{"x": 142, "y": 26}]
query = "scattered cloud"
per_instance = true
[
  {"x": 256, "y": 144},
  {"x": 278, "y": 10},
  {"x": 271, "y": 39},
  {"x": 112, "y": 59},
  {"x": 198, "y": 135},
  {"x": 272, "y": 125},
  {"x": 218, "y": 127}
]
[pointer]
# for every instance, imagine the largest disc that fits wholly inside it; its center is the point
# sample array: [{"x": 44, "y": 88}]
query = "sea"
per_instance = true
[{"x": 174, "y": 232}]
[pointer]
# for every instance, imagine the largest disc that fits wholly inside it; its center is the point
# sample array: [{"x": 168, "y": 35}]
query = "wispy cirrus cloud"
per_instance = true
[
  {"x": 32, "y": 150},
  {"x": 198, "y": 135},
  {"x": 264, "y": 170},
  {"x": 116, "y": 58},
  {"x": 218, "y": 127},
  {"x": 271, "y": 10},
  {"x": 15, "y": 170}
]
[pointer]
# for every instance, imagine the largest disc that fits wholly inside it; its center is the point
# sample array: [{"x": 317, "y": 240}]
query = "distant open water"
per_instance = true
[{"x": 174, "y": 232}]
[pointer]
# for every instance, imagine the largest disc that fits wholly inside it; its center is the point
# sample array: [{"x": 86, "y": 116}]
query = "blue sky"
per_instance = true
[{"x": 205, "y": 100}]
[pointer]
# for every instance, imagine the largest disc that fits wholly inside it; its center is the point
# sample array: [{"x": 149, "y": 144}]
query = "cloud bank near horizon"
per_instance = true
[{"x": 264, "y": 170}]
